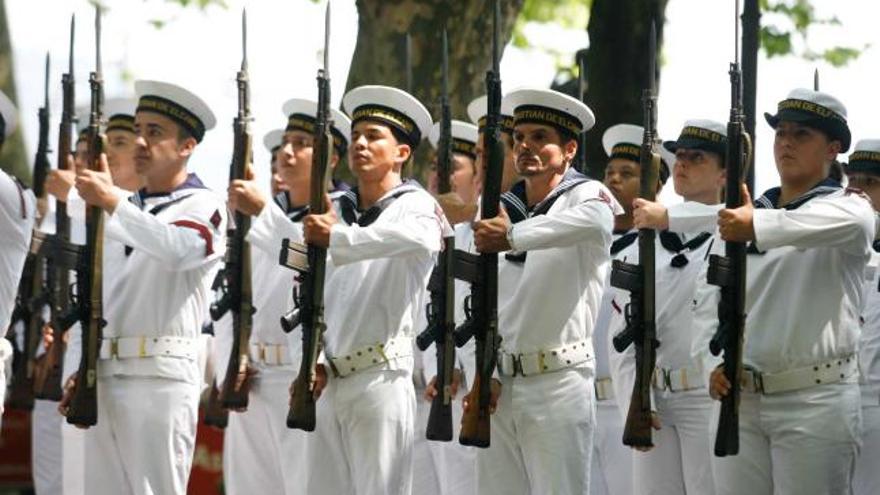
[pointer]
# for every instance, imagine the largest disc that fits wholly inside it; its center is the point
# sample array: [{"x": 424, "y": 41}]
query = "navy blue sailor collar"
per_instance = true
[
  {"x": 192, "y": 184},
  {"x": 770, "y": 199},
  {"x": 297, "y": 213},
  {"x": 352, "y": 213},
  {"x": 624, "y": 239},
  {"x": 516, "y": 203}
]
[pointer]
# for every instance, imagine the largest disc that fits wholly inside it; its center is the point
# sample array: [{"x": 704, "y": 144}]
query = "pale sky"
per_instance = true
[{"x": 201, "y": 51}]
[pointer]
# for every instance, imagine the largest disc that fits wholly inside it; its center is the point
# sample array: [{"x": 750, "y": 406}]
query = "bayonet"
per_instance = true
[{"x": 83, "y": 408}]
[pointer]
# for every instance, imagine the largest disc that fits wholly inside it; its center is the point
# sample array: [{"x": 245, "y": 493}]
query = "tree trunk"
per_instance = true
[
  {"x": 12, "y": 158},
  {"x": 617, "y": 66},
  {"x": 379, "y": 56}
]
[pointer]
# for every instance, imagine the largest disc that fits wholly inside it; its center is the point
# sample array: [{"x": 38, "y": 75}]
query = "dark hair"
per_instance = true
[{"x": 836, "y": 171}]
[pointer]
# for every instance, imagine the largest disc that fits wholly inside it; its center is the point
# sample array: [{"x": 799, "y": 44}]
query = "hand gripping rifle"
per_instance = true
[
  {"x": 638, "y": 279},
  {"x": 310, "y": 260},
  {"x": 482, "y": 308},
  {"x": 32, "y": 296},
  {"x": 234, "y": 281},
  {"x": 62, "y": 255},
  {"x": 729, "y": 271},
  {"x": 441, "y": 309},
  {"x": 83, "y": 410}
]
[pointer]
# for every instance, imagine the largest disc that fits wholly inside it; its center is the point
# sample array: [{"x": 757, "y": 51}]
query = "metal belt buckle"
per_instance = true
[
  {"x": 758, "y": 382},
  {"x": 667, "y": 379}
]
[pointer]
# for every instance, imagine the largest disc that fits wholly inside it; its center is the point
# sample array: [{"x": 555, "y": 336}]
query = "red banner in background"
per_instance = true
[
  {"x": 206, "y": 477},
  {"x": 15, "y": 450}
]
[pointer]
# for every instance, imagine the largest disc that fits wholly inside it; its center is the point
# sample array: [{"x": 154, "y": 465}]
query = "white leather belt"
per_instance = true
[
  {"x": 370, "y": 356},
  {"x": 604, "y": 389},
  {"x": 536, "y": 363},
  {"x": 270, "y": 354},
  {"x": 824, "y": 373},
  {"x": 142, "y": 347},
  {"x": 677, "y": 380}
]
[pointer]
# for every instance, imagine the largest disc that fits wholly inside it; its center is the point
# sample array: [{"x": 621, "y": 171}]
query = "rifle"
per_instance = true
[
  {"x": 31, "y": 297},
  {"x": 27, "y": 311},
  {"x": 234, "y": 281},
  {"x": 729, "y": 271},
  {"x": 441, "y": 309},
  {"x": 61, "y": 254},
  {"x": 581, "y": 161},
  {"x": 83, "y": 409},
  {"x": 310, "y": 260},
  {"x": 481, "y": 307},
  {"x": 751, "y": 41},
  {"x": 638, "y": 279}
]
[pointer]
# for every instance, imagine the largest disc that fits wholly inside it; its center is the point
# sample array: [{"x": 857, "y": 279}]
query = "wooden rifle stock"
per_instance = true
[
  {"x": 301, "y": 414},
  {"x": 83, "y": 408},
  {"x": 475, "y": 424}
]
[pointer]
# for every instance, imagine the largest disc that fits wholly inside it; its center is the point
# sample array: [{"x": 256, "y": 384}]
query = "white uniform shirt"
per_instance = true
[
  {"x": 675, "y": 288},
  {"x": 377, "y": 275},
  {"x": 17, "y": 213},
  {"x": 556, "y": 298},
  {"x": 602, "y": 333},
  {"x": 164, "y": 285},
  {"x": 273, "y": 283},
  {"x": 804, "y": 294}
]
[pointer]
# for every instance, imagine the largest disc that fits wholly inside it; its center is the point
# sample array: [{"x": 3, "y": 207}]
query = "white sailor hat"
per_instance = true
[
  {"x": 464, "y": 137},
  {"x": 272, "y": 140},
  {"x": 814, "y": 109},
  {"x": 478, "y": 108},
  {"x": 865, "y": 157},
  {"x": 302, "y": 114},
  {"x": 701, "y": 134},
  {"x": 180, "y": 105},
  {"x": 390, "y": 106},
  {"x": 568, "y": 115},
  {"x": 119, "y": 113},
  {"x": 624, "y": 141},
  {"x": 9, "y": 115}
]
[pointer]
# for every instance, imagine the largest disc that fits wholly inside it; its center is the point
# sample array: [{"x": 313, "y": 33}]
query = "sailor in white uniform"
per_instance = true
[
  {"x": 863, "y": 171},
  {"x": 809, "y": 241},
  {"x": 447, "y": 467},
  {"x": 678, "y": 462},
  {"x": 382, "y": 243},
  {"x": 611, "y": 470},
  {"x": 173, "y": 232},
  {"x": 260, "y": 454},
  {"x": 557, "y": 224}
]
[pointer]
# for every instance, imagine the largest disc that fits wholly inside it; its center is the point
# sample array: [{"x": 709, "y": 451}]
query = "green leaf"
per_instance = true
[
  {"x": 157, "y": 23},
  {"x": 775, "y": 43},
  {"x": 839, "y": 56}
]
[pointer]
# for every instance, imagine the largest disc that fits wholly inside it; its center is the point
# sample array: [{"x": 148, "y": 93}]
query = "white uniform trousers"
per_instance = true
[
  {"x": 455, "y": 465},
  {"x": 260, "y": 453},
  {"x": 46, "y": 448},
  {"x": 867, "y": 476},
  {"x": 803, "y": 442},
  {"x": 611, "y": 472},
  {"x": 144, "y": 441},
  {"x": 363, "y": 441},
  {"x": 541, "y": 436},
  {"x": 679, "y": 462},
  {"x": 425, "y": 470}
]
